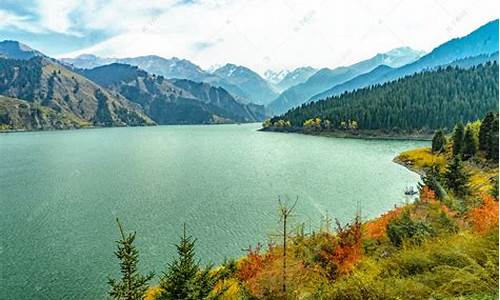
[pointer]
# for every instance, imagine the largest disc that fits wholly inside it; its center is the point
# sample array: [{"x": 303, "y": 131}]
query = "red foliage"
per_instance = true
[
  {"x": 484, "y": 218},
  {"x": 341, "y": 252},
  {"x": 254, "y": 262},
  {"x": 377, "y": 228},
  {"x": 348, "y": 250},
  {"x": 427, "y": 195}
]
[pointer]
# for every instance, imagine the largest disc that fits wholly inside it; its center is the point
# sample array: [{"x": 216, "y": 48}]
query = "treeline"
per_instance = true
[
  {"x": 477, "y": 139},
  {"x": 427, "y": 100}
]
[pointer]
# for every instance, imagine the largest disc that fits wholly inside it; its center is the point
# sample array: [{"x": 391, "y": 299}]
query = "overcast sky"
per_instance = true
[{"x": 260, "y": 34}]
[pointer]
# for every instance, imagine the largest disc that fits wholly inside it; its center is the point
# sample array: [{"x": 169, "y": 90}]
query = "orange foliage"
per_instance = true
[
  {"x": 348, "y": 250},
  {"x": 427, "y": 195},
  {"x": 343, "y": 251},
  {"x": 254, "y": 262},
  {"x": 376, "y": 229},
  {"x": 485, "y": 217}
]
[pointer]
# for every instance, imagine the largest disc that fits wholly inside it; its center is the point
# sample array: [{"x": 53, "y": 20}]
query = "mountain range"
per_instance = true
[
  {"x": 326, "y": 78},
  {"x": 93, "y": 91},
  {"x": 243, "y": 83},
  {"x": 480, "y": 45},
  {"x": 174, "y": 101},
  {"x": 40, "y": 92}
]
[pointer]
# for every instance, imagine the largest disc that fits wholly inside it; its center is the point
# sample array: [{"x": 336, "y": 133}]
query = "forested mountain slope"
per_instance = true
[
  {"x": 481, "y": 44},
  {"x": 41, "y": 81},
  {"x": 174, "y": 101},
  {"x": 433, "y": 99}
]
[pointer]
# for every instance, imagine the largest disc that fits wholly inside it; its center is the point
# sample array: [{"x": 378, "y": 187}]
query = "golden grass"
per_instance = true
[{"x": 422, "y": 158}]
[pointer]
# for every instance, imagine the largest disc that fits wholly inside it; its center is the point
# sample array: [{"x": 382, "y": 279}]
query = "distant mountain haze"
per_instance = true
[
  {"x": 326, "y": 78},
  {"x": 258, "y": 89},
  {"x": 478, "y": 46},
  {"x": 174, "y": 101}
]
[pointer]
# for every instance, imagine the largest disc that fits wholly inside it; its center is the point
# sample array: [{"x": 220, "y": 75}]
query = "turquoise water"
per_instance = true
[{"x": 61, "y": 191}]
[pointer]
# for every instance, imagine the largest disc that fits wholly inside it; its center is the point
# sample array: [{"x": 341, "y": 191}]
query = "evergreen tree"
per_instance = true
[
  {"x": 432, "y": 179},
  {"x": 493, "y": 144},
  {"x": 469, "y": 144},
  {"x": 485, "y": 132},
  {"x": 494, "y": 187},
  {"x": 457, "y": 179},
  {"x": 408, "y": 104},
  {"x": 438, "y": 141},
  {"x": 458, "y": 139},
  {"x": 132, "y": 285},
  {"x": 184, "y": 278}
]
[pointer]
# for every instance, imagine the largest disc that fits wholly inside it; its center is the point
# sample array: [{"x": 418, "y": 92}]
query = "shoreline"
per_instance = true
[
  {"x": 407, "y": 165},
  {"x": 363, "y": 135}
]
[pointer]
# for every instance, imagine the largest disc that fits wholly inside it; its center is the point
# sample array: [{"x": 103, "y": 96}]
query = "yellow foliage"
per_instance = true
[
  {"x": 422, "y": 158},
  {"x": 152, "y": 293}
]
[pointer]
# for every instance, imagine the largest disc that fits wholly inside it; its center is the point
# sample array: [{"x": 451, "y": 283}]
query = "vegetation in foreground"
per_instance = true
[{"x": 442, "y": 245}]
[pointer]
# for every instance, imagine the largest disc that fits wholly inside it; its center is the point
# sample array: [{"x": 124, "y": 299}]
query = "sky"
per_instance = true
[{"x": 260, "y": 34}]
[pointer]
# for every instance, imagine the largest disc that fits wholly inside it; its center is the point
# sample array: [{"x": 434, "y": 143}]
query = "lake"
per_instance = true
[{"x": 61, "y": 191}]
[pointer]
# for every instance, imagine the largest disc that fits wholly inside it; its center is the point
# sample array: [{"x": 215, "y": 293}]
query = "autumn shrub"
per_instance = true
[
  {"x": 485, "y": 217},
  {"x": 404, "y": 228},
  {"x": 377, "y": 228}
]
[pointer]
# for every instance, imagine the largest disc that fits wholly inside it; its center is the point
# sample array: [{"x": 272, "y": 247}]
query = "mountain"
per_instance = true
[
  {"x": 168, "y": 68},
  {"x": 257, "y": 89},
  {"x": 16, "y": 114},
  {"x": 295, "y": 77},
  {"x": 87, "y": 61},
  {"x": 377, "y": 74},
  {"x": 174, "y": 101},
  {"x": 275, "y": 77},
  {"x": 426, "y": 100},
  {"x": 53, "y": 88},
  {"x": 326, "y": 78},
  {"x": 17, "y": 50},
  {"x": 479, "y": 46}
]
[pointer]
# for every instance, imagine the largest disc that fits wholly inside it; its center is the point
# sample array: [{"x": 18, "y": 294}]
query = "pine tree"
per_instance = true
[
  {"x": 432, "y": 179},
  {"x": 469, "y": 144},
  {"x": 438, "y": 141},
  {"x": 184, "y": 278},
  {"x": 458, "y": 139},
  {"x": 494, "y": 187},
  {"x": 493, "y": 144},
  {"x": 485, "y": 132},
  {"x": 457, "y": 179},
  {"x": 132, "y": 285}
]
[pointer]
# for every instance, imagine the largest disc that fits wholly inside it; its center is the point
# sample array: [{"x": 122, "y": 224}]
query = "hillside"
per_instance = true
[
  {"x": 170, "y": 68},
  {"x": 18, "y": 114},
  {"x": 176, "y": 101},
  {"x": 41, "y": 81},
  {"x": 326, "y": 78},
  {"x": 477, "y": 47},
  {"x": 428, "y": 100},
  {"x": 258, "y": 89}
]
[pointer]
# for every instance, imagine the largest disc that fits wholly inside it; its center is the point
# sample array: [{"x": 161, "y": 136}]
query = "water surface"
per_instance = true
[{"x": 61, "y": 191}]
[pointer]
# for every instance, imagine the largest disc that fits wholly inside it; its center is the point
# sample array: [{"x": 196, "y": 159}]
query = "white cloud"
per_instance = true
[
  {"x": 55, "y": 15},
  {"x": 11, "y": 20},
  {"x": 264, "y": 34}
]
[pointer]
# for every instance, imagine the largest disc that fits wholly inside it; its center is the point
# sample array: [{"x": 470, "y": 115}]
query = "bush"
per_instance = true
[{"x": 405, "y": 229}]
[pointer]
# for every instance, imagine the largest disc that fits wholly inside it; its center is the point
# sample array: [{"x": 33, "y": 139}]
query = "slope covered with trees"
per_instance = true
[
  {"x": 428, "y": 100},
  {"x": 50, "y": 85},
  {"x": 174, "y": 101}
]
